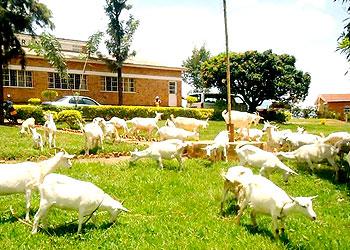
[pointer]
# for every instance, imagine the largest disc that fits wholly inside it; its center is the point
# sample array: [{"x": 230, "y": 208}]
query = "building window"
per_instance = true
[
  {"x": 111, "y": 84},
  {"x": 17, "y": 78},
  {"x": 172, "y": 88},
  {"x": 73, "y": 81},
  {"x": 347, "y": 109},
  {"x": 129, "y": 85}
]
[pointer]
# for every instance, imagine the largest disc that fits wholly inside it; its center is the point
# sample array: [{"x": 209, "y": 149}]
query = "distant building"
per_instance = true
[
  {"x": 142, "y": 81},
  {"x": 339, "y": 103}
]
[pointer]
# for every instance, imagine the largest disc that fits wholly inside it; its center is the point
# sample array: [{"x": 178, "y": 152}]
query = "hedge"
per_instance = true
[{"x": 107, "y": 112}]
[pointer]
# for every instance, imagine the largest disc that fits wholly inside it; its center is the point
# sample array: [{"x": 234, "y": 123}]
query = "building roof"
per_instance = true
[
  {"x": 71, "y": 49},
  {"x": 334, "y": 97}
]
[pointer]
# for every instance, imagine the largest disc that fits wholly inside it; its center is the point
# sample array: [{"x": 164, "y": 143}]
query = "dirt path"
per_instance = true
[{"x": 104, "y": 160}]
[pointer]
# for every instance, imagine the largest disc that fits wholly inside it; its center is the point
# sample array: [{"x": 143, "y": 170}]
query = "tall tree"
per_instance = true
[
  {"x": 192, "y": 74},
  {"x": 256, "y": 77},
  {"x": 18, "y": 16},
  {"x": 121, "y": 34}
]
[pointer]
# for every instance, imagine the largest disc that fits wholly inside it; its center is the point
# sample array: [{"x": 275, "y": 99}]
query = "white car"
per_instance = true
[{"x": 71, "y": 100}]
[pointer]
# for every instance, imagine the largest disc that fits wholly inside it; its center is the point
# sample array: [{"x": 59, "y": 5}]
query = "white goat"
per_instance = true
[
  {"x": 67, "y": 193},
  {"x": 176, "y": 133},
  {"x": 120, "y": 124},
  {"x": 25, "y": 177},
  {"x": 37, "y": 139},
  {"x": 190, "y": 124},
  {"x": 266, "y": 161},
  {"x": 233, "y": 182},
  {"x": 50, "y": 131},
  {"x": 26, "y": 125},
  {"x": 93, "y": 134},
  {"x": 333, "y": 138},
  {"x": 296, "y": 140},
  {"x": 170, "y": 123},
  {"x": 168, "y": 149},
  {"x": 316, "y": 152},
  {"x": 275, "y": 138},
  {"x": 111, "y": 131},
  {"x": 220, "y": 145},
  {"x": 145, "y": 124},
  {"x": 241, "y": 119},
  {"x": 264, "y": 197}
]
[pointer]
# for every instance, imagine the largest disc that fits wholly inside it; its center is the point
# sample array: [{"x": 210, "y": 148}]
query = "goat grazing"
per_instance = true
[
  {"x": 168, "y": 149},
  {"x": 50, "y": 131},
  {"x": 94, "y": 134},
  {"x": 190, "y": 124},
  {"x": 220, "y": 145},
  {"x": 24, "y": 177},
  {"x": 67, "y": 193},
  {"x": 145, "y": 124},
  {"x": 264, "y": 197},
  {"x": 120, "y": 124},
  {"x": 316, "y": 152},
  {"x": 266, "y": 161},
  {"x": 232, "y": 182},
  {"x": 333, "y": 138},
  {"x": 26, "y": 125},
  {"x": 176, "y": 133}
]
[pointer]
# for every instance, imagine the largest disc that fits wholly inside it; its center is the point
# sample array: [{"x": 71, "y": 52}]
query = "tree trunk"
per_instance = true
[{"x": 120, "y": 86}]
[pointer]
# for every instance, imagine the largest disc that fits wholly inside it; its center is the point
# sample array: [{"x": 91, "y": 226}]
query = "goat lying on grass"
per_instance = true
[
  {"x": 24, "y": 177},
  {"x": 67, "y": 193}
]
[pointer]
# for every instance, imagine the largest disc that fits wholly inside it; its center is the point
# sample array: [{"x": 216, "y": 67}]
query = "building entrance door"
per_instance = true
[{"x": 172, "y": 94}]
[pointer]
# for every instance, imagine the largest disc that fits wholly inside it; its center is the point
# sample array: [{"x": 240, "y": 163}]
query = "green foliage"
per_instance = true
[
  {"x": 219, "y": 106},
  {"x": 54, "y": 114},
  {"x": 21, "y": 16},
  {"x": 27, "y": 111},
  {"x": 49, "y": 95},
  {"x": 276, "y": 115},
  {"x": 34, "y": 101},
  {"x": 192, "y": 74},
  {"x": 50, "y": 48},
  {"x": 191, "y": 99},
  {"x": 344, "y": 39},
  {"x": 329, "y": 114},
  {"x": 71, "y": 118},
  {"x": 258, "y": 76}
]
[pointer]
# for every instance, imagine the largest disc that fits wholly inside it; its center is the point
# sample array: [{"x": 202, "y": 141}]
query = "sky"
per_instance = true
[{"x": 170, "y": 29}]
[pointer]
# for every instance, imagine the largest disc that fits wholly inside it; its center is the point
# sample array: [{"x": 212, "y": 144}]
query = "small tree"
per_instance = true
[
  {"x": 49, "y": 95},
  {"x": 192, "y": 74},
  {"x": 120, "y": 38}
]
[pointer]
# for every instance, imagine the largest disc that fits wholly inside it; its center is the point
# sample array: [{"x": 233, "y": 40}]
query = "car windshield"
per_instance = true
[{"x": 62, "y": 99}]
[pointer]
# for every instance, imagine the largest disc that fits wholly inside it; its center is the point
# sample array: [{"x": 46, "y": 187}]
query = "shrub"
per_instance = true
[
  {"x": 54, "y": 113},
  {"x": 277, "y": 115},
  {"x": 219, "y": 106},
  {"x": 34, "y": 101},
  {"x": 49, "y": 95},
  {"x": 27, "y": 111},
  {"x": 71, "y": 118},
  {"x": 190, "y": 100}
]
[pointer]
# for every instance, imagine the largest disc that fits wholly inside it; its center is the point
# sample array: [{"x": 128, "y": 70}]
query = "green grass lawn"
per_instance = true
[{"x": 173, "y": 209}]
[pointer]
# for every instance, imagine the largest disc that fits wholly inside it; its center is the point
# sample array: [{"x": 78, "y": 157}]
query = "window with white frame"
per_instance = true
[
  {"x": 111, "y": 84},
  {"x": 347, "y": 109},
  {"x": 172, "y": 88},
  {"x": 74, "y": 81},
  {"x": 17, "y": 78}
]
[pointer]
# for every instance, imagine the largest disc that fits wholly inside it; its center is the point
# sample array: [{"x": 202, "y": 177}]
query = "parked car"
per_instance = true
[{"x": 71, "y": 100}]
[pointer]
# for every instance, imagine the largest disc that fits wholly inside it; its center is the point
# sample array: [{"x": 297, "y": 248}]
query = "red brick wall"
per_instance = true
[
  {"x": 338, "y": 107},
  {"x": 146, "y": 89}
]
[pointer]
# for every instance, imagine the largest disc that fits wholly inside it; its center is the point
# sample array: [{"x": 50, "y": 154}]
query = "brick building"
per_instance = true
[
  {"x": 142, "y": 81},
  {"x": 339, "y": 103}
]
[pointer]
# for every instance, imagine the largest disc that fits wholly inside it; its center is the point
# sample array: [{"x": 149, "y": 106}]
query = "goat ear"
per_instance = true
[{"x": 313, "y": 197}]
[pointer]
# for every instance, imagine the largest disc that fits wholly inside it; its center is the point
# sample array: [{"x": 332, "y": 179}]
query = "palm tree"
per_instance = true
[{"x": 18, "y": 16}]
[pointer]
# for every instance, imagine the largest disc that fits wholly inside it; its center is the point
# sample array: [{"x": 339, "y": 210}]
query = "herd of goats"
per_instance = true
[{"x": 255, "y": 191}]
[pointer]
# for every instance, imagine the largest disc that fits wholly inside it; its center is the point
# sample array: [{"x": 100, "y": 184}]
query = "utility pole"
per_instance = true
[{"x": 230, "y": 126}]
